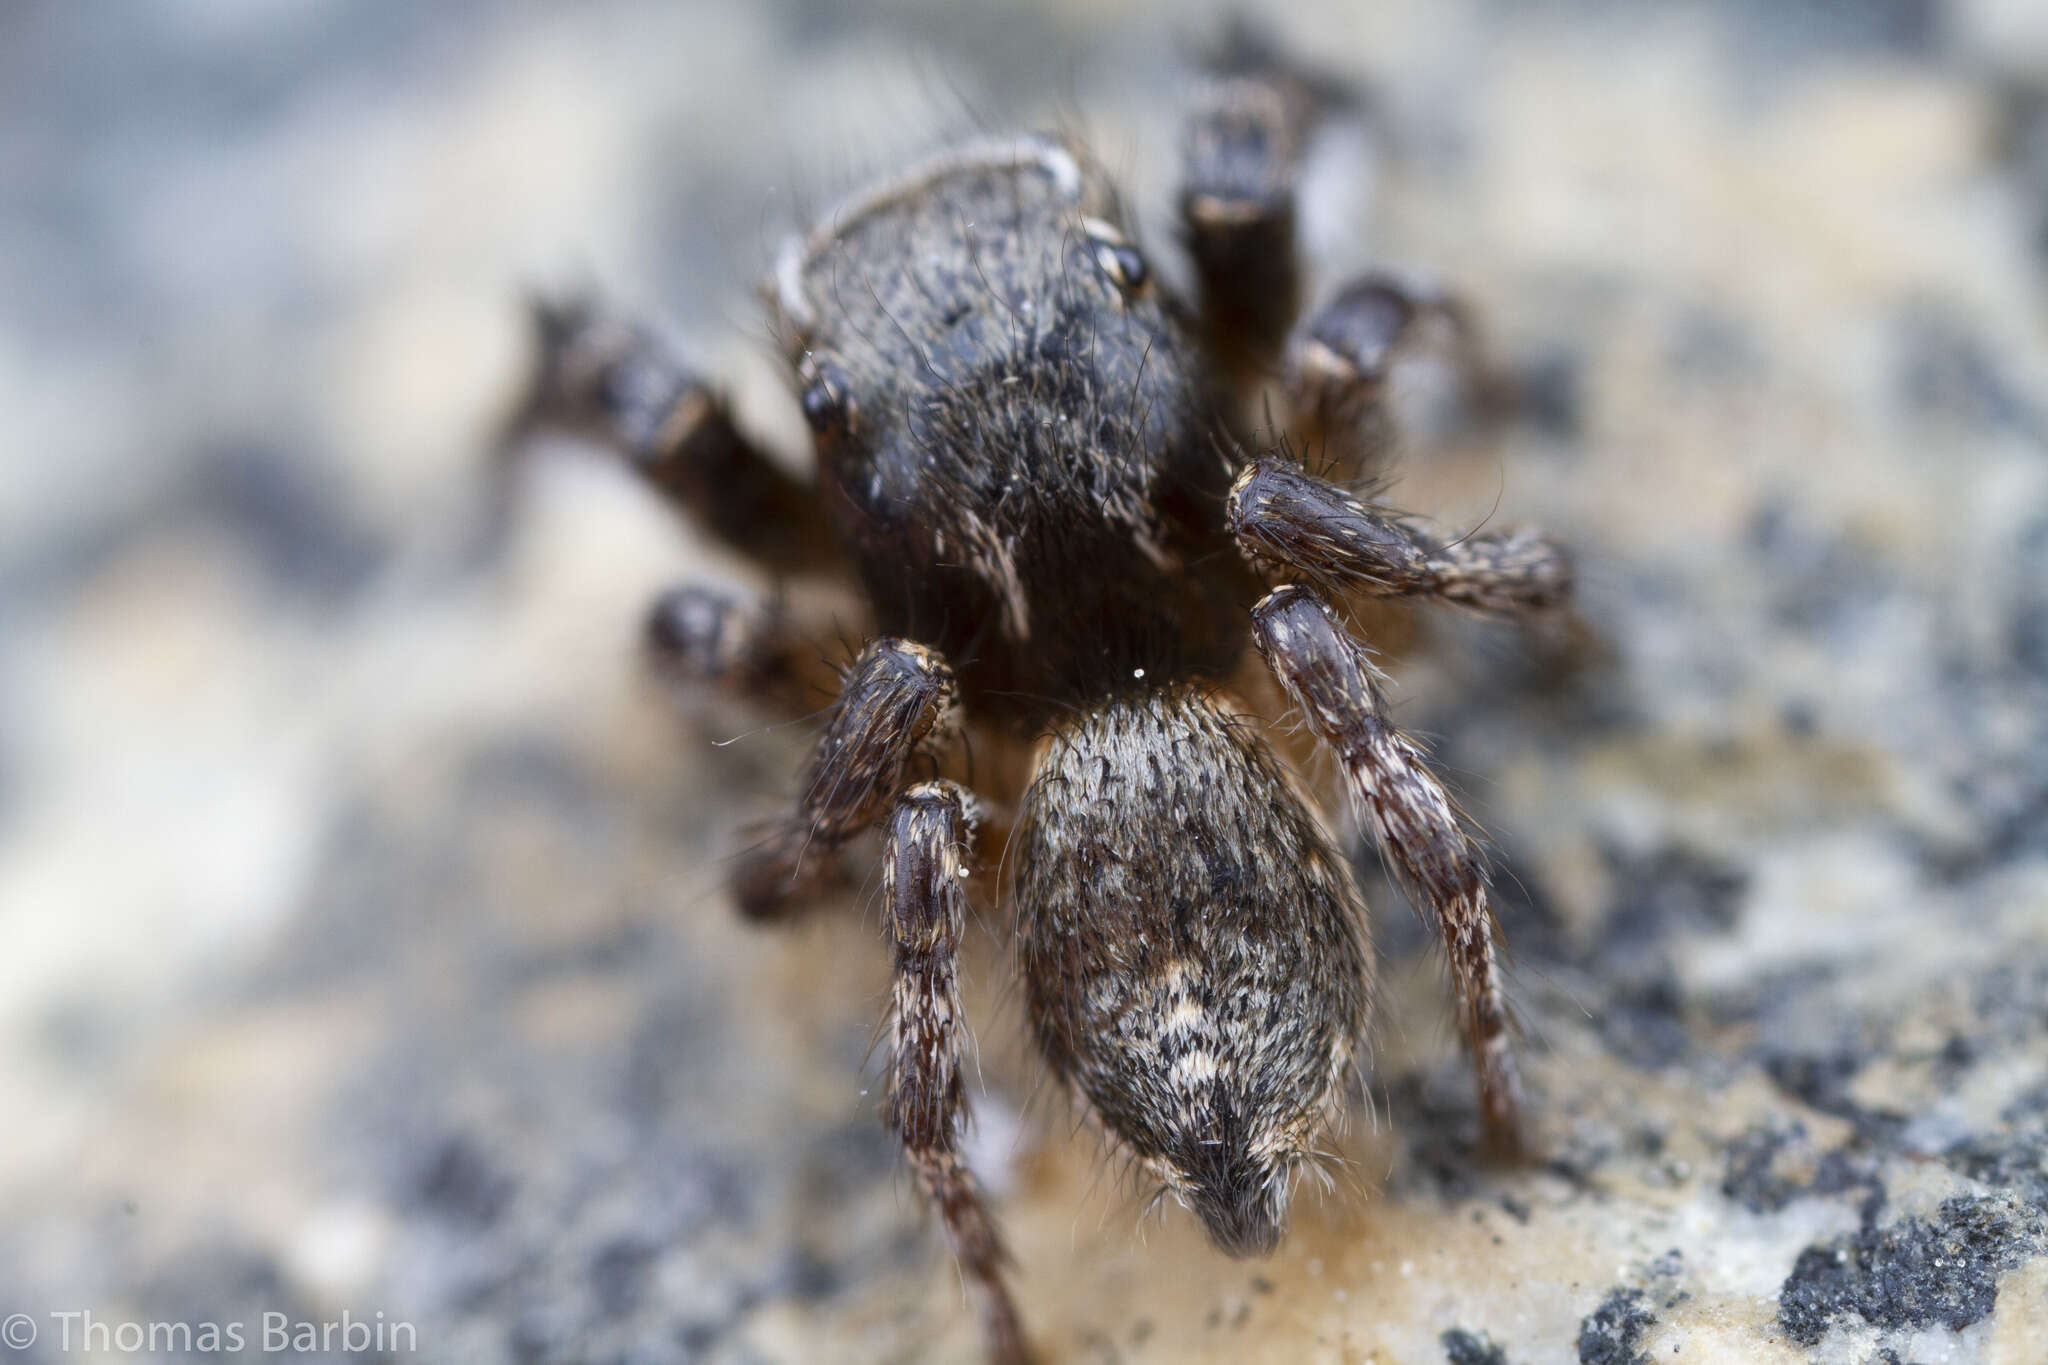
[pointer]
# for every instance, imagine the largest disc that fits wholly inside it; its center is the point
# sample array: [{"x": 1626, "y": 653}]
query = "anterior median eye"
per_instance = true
[
  {"x": 827, "y": 405},
  {"x": 1122, "y": 263},
  {"x": 1116, "y": 257}
]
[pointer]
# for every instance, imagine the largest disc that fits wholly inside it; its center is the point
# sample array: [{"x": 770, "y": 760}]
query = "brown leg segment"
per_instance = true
[
  {"x": 1242, "y": 154},
  {"x": 898, "y": 701},
  {"x": 1291, "y": 523},
  {"x": 923, "y": 886},
  {"x": 1337, "y": 366},
  {"x": 1332, "y": 679},
  {"x": 738, "y": 645},
  {"x": 621, "y": 385}
]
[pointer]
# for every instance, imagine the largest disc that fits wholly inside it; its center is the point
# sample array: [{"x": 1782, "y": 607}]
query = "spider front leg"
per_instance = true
[
  {"x": 735, "y": 644},
  {"x": 619, "y": 384},
  {"x": 923, "y": 886},
  {"x": 1242, "y": 156},
  {"x": 1338, "y": 365},
  {"x": 1332, "y": 679},
  {"x": 898, "y": 702},
  {"x": 1294, "y": 524}
]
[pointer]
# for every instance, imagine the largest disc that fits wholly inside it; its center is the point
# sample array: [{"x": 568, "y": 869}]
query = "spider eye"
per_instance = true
[
  {"x": 1122, "y": 263},
  {"x": 825, "y": 401},
  {"x": 1116, "y": 257}
]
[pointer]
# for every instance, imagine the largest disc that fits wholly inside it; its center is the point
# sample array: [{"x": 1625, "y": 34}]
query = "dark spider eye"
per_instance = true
[
  {"x": 825, "y": 402},
  {"x": 1122, "y": 263},
  {"x": 1116, "y": 257}
]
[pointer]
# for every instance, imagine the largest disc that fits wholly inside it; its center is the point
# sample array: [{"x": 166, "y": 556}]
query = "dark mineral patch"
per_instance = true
[
  {"x": 805, "y": 1275},
  {"x": 1917, "y": 1273},
  {"x": 1673, "y": 888},
  {"x": 1947, "y": 370},
  {"x": 291, "y": 520},
  {"x": 1709, "y": 348},
  {"x": 1610, "y": 1333},
  {"x": 1549, "y": 393},
  {"x": 1644, "y": 1024},
  {"x": 2013, "y": 1157},
  {"x": 1853, "y": 1172},
  {"x": 2029, "y": 638},
  {"x": 619, "y": 1273},
  {"x": 462, "y": 1184},
  {"x": 1823, "y": 583},
  {"x": 1756, "y": 1179},
  {"x": 1820, "y": 1079},
  {"x": 1751, "y": 1178},
  {"x": 1468, "y": 1348},
  {"x": 1990, "y": 1159},
  {"x": 1659, "y": 897},
  {"x": 1827, "y": 29}
]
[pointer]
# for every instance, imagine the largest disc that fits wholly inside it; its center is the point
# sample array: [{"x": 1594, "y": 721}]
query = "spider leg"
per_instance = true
[
  {"x": 1293, "y": 524},
  {"x": 1338, "y": 364},
  {"x": 923, "y": 888},
  {"x": 1242, "y": 154},
  {"x": 898, "y": 702},
  {"x": 1331, "y": 677},
  {"x": 737, "y": 645},
  {"x": 621, "y": 385}
]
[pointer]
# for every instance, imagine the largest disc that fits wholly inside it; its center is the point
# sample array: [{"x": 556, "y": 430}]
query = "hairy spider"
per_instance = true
[{"x": 1032, "y": 454}]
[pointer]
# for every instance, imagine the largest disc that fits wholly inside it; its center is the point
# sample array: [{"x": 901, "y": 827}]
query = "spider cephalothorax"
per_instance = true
[
  {"x": 1031, "y": 452},
  {"x": 1015, "y": 429}
]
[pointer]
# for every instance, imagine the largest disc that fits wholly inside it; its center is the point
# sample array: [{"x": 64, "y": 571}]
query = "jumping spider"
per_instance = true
[{"x": 1032, "y": 453}]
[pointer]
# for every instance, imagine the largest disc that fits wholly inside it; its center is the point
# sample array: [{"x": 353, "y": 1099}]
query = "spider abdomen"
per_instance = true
[{"x": 1195, "y": 960}]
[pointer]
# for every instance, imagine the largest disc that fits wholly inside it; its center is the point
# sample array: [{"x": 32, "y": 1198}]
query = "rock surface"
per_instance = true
[{"x": 366, "y": 950}]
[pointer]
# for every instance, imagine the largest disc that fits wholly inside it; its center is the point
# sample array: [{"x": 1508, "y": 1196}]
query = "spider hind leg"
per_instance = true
[
  {"x": 1332, "y": 679},
  {"x": 923, "y": 871}
]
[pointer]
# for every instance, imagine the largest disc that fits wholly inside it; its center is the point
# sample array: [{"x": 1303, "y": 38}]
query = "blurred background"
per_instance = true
[{"x": 364, "y": 945}]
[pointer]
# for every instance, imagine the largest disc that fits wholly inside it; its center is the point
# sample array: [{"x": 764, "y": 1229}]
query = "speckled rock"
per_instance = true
[{"x": 366, "y": 946}]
